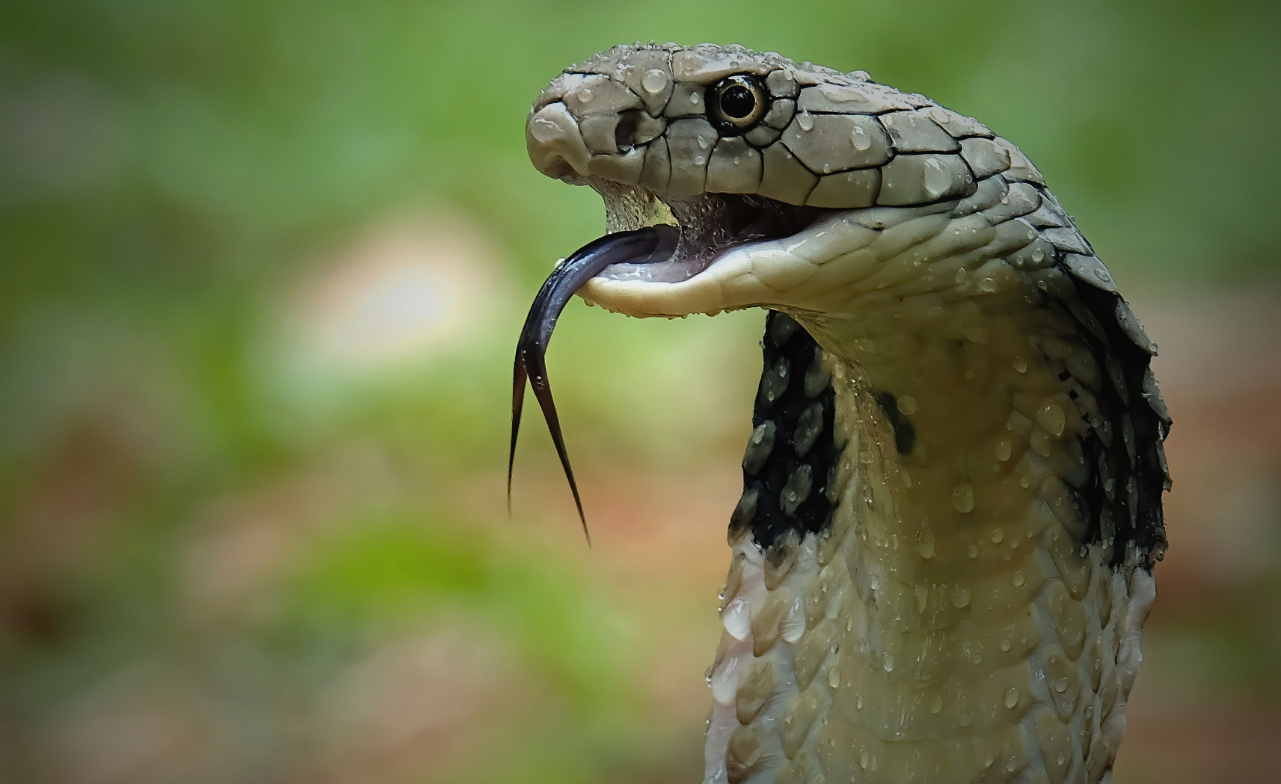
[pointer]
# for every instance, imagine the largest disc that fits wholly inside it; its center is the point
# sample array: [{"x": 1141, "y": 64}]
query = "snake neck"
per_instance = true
[{"x": 920, "y": 590}]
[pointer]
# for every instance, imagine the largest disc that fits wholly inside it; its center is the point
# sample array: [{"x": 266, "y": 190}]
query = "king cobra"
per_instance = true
[{"x": 942, "y": 557}]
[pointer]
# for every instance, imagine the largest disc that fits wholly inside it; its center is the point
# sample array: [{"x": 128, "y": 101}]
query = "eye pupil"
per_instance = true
[{"x": 737, "y": 102}]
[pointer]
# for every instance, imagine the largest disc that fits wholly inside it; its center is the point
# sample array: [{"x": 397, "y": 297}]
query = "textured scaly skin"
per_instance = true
[{"x": 971, "y": 610}]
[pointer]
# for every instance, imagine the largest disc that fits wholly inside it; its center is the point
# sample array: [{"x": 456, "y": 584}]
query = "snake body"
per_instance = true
[{"x": 943, "y": 553}]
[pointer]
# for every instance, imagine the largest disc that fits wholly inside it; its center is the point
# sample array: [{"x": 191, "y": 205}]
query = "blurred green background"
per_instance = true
[{"x": 262, "y": 264}]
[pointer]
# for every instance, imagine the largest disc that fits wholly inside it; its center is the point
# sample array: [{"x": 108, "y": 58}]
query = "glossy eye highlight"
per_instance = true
[{"x": 737, "y": 103}]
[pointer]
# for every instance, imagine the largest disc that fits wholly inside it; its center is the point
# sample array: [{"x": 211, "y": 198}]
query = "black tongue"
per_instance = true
[{"x": 641, "y": 246}]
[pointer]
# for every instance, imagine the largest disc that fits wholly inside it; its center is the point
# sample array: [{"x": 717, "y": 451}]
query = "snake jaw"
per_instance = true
[{"x": 724, "y": 238}]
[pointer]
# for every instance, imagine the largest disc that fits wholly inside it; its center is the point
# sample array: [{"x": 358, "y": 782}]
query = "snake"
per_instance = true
[{"x": 943, "y": 554}]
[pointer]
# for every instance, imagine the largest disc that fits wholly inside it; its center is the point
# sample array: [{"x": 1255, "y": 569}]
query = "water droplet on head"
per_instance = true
[
  {"x": 937, "y": 179},
  {"x": 961, "y": 595},
  {"x": 1019, "y": 578},
  {"x": 963, "y": 497},
  {"x": 997, "y": 535},
  {"x": 654, "y": 81},
  {"x": 544, "y": 130},
  {"x": 1020, "y": 365},
  {"x": 860, "y": 138},
  {"x": 584, "y": 94},
  {"x": 805, "y": 121}
]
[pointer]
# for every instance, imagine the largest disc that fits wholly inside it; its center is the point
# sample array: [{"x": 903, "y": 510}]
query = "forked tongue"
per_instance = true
[{"x": 640, "y": 246}]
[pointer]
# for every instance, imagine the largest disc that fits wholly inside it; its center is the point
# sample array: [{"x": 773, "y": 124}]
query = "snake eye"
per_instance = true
[{"x": 737, "y": 103}]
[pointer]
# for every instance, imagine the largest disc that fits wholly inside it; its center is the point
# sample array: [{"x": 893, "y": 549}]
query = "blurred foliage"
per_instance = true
[{"x": 172, "y": 172}]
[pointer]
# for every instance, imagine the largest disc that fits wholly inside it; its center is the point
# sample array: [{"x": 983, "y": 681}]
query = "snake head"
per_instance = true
[{"x": 750, "y": 155}]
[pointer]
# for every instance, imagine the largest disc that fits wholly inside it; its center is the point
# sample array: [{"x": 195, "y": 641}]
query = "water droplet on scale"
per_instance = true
[
  {"x": 1051, "y": 417},
  {"x": 862, "y": 142},
  {"x": 963, "y": 497},
  {"x": 1020, "y": 365},
  {"x": 584, "y": 94},
  {"x": 937, "y": 179},
  {"x": 1012, "y": 696},
  {"x": 653, "y": 81},
  {"x": 805, "y": 121},
  {"x": 543, "y": 130}
]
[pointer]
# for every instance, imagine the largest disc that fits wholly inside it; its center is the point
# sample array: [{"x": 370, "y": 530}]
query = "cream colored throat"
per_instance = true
[{"x": 945, "y": 629}]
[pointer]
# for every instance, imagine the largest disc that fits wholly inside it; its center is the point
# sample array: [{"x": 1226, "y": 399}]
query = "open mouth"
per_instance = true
[
  {"x": 708, "y": 226},
  {"x": 650, "y": 240}
]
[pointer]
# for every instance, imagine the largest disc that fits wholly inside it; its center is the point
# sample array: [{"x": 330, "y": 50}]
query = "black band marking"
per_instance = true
[{"x": 792, "y": 450}]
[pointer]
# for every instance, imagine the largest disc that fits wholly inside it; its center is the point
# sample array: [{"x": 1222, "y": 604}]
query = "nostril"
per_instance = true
[{"x": 625, "y": 131}]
